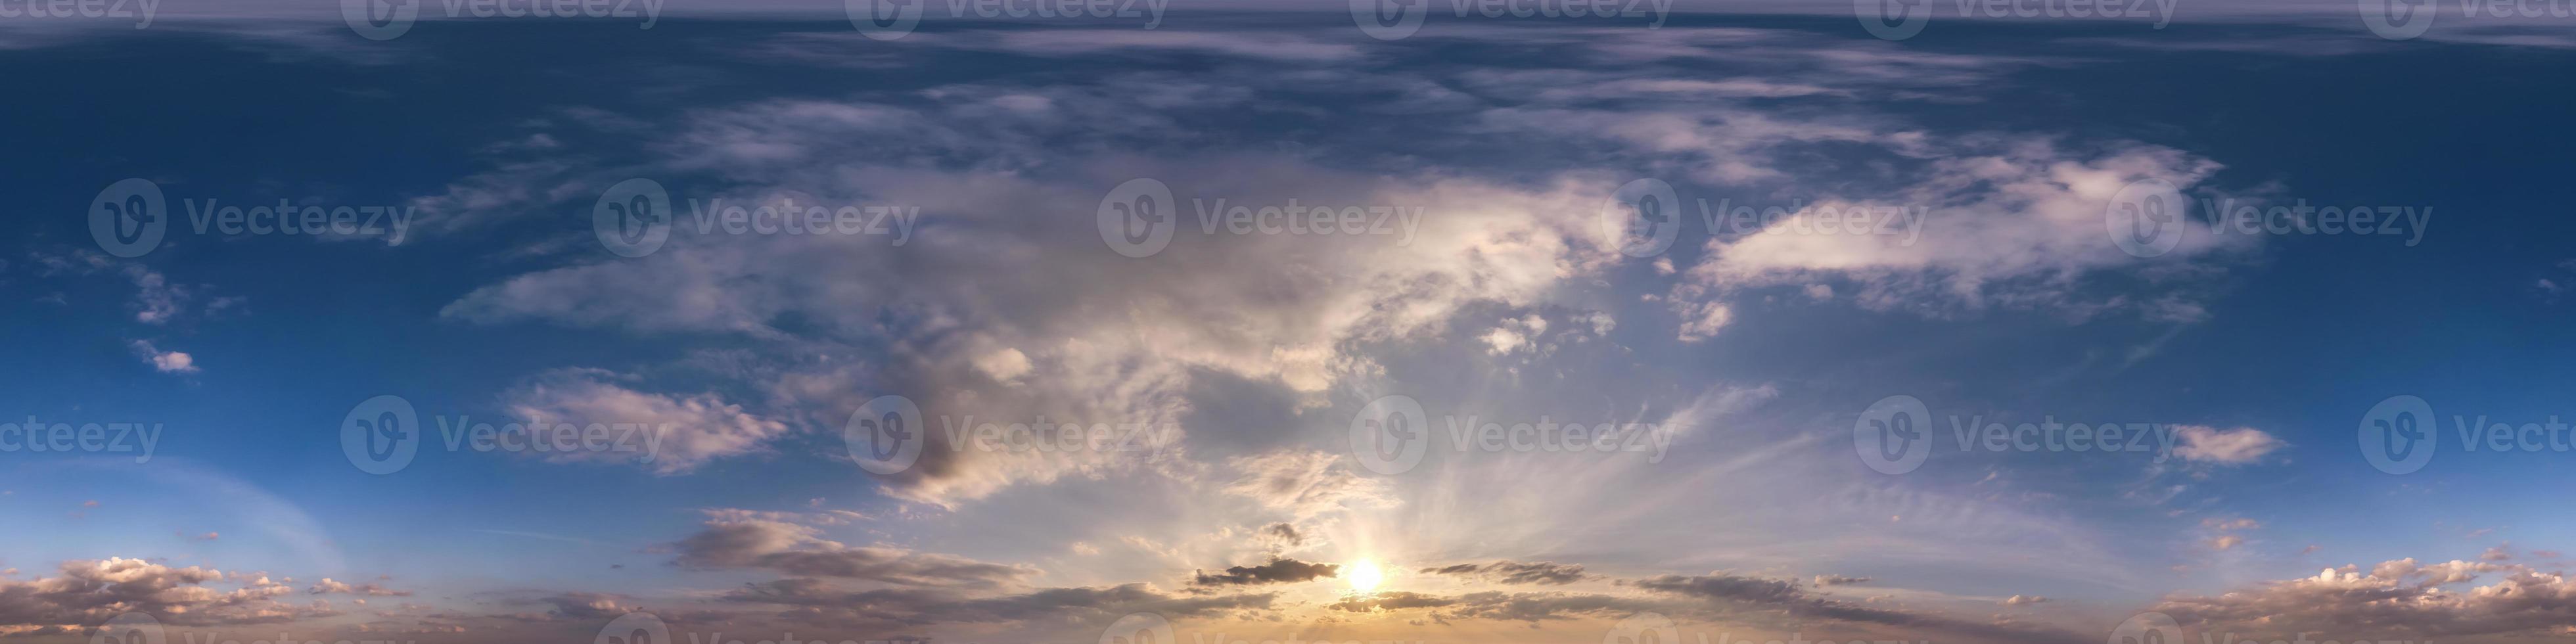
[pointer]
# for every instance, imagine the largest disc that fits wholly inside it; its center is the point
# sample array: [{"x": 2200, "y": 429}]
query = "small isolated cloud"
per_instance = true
[
  {"x": 1281, "y": 535},
  {"x": 1839, "y": 580},
  {"x": 2201, "y": 444},
  {"x": 164, "y": 361},
  {"x": 2024, "y": 600}
]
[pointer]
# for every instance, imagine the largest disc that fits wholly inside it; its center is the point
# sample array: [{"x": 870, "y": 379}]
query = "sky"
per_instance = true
[{"x": 1178, "y": 321}]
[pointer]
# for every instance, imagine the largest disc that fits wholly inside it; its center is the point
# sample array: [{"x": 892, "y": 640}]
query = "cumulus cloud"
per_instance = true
[
  {"x": 2450, "y": 599},
  {"x": 90, "y": 592}
]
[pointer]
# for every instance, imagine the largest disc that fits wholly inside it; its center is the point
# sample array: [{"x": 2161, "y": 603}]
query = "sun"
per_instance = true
[{"x": 1365, "y": 575}]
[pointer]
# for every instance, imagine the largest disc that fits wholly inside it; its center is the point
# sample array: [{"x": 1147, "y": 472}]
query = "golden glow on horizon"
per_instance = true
[{"x": 1364, "y": 575}]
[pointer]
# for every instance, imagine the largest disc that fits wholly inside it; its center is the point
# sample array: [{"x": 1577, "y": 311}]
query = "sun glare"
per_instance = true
[{"x": 1364, "y": 576}]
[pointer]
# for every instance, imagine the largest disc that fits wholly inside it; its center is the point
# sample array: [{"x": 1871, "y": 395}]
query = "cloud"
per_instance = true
[
  {"x": 2023, "y": 600},
  {"x": 2397, "y": 596},
  {"x": 1513, "y": 572},
  {"x": 1839, "y": 580},
  {"x": 814, "y": 601},
  {"x": 796, "y": 550},
  {"x": 164, "y": 361},
  {"x": 1305, "y": 484},
  {"x": 2238, "y": 446},
  {"x": 90, "y": 592},
  {"x": 685, "y": 432},
  {"x": 327, "y": 586},
  {"x": 1278, "y": 571}
]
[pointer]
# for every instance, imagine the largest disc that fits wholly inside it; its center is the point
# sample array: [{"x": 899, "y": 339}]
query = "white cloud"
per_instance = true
[
  {"x": 163, "y": 361},
  {"x": 687, "y": 431},
  {"x": 2225, "y": 447}
]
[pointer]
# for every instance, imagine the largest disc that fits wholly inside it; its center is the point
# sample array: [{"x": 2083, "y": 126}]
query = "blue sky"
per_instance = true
[{"x": 1490, "y": 171}]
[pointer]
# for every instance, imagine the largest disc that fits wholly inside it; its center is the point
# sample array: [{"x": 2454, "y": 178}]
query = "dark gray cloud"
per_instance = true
[
  {"x": 890, "y": 610},
  {"x": 1278, "y": 571},
  {"x": 1513, "y": 572},
  {"x": 795, "y": 550}
]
